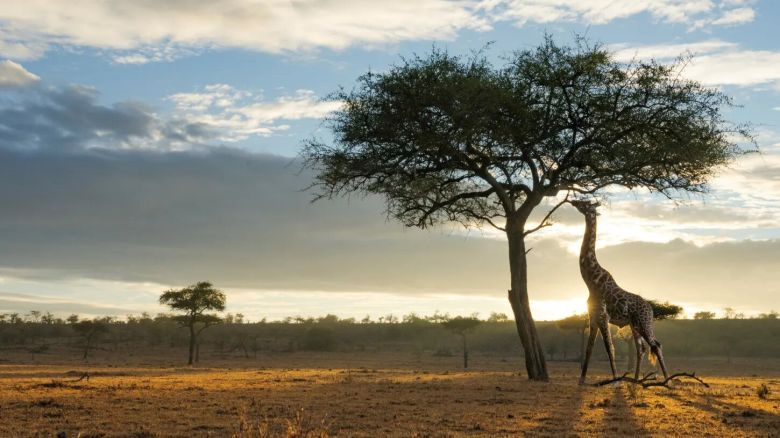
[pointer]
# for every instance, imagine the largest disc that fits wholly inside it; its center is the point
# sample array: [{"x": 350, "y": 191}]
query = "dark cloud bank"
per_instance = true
[
  {"x": 241, "y": 220},
  {"x": 69, "y": 208}
]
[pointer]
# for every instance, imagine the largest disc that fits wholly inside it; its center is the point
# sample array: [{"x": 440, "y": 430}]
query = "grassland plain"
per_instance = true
[{"x": 381, "y": 394}]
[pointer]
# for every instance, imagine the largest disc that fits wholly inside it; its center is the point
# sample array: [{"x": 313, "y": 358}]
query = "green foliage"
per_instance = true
[
  {"x": 704, "y": 315},
  {"x": 461, "y": 325},
  {"x": 665, "y": 310},
  {"x": 577, "y": 322},
  {"x": 90, "y": 328},
  {"x": 497, "y": 317},
  {"x": 194, "y": 301},
  {"x": 681, "y": 338}
]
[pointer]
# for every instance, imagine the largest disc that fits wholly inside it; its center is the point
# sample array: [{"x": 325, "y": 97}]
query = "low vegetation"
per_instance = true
[{"x": 46, "y": 339}]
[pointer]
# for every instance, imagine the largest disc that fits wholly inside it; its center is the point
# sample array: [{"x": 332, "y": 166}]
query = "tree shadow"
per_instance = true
[{"x": 562, "y": 420}]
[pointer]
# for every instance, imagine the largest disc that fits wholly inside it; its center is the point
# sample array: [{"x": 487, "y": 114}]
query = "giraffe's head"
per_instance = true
[{"x": 585, "y": 206}]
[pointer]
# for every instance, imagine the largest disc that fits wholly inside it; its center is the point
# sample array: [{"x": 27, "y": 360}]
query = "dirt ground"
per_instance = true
[{"x": 340, "y": 394}]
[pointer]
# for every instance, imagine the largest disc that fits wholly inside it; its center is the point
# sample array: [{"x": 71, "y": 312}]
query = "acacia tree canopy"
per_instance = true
[
  {"x": 194, "y": 301},
  {"x": 447, "y": 138}
]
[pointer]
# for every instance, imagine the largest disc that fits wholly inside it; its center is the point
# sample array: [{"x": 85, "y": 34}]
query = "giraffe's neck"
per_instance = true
[
  {"x": 594, "y": 275},
  {"x": 588, "y": 250}
]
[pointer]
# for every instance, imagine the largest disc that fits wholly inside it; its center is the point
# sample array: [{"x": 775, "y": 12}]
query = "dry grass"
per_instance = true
[{"x": 415, "y": 399}]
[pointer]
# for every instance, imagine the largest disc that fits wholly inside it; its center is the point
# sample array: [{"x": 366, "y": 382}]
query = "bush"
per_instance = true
[{"x": 319, "y": 339}]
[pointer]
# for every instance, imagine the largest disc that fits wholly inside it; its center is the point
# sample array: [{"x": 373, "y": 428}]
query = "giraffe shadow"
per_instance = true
[
  {"x": 619, "y": 417},
  {"x": 733, "y": 416}
]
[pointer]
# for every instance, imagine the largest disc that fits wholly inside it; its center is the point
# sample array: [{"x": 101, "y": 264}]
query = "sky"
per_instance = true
[{"x": 149, "y": 145}]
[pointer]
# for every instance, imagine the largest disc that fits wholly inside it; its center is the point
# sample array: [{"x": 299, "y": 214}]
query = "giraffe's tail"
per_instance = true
[{"x": 652, "y": 357}]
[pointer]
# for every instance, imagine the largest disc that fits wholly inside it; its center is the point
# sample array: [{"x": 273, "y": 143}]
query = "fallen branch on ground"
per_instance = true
[
  {"x": 650, "y": 380},
  {"x": 83, "y": 376}
]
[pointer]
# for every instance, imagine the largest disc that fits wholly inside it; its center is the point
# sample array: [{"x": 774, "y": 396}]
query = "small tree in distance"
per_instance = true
[
  {"x": 451, "y": 139},
  {"x": 704, "y": 315},
  {"x": 194, "y": 301},
  {"x": 90, "y": 331},
  {"x": 578, "y": 323},
  {"x": 461, "y": 326},
  {"x": 665, "y": 310}
]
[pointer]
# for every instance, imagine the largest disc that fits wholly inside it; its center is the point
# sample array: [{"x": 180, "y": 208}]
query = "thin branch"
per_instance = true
[{"x": 546, "y": 220}]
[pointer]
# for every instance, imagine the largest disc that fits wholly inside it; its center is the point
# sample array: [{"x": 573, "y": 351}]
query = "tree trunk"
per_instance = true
[
  {"x": 465, "y": 352},
  {"x": 535, "y": 364},
  {"x": 192, "y": 345}
]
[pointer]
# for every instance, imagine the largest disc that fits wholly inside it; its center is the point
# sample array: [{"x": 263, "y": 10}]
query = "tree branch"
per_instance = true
[
  {"x": 546, "y": 220},
  {"x": 649, "y": 380}
]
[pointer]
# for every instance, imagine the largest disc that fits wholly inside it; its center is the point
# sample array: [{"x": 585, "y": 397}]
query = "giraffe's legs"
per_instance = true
[
  {"x": 607, "y": 337},
  {"x": 588, "y": 351},
  {"x": 655, "y": 348},
  {"x": 639, "y": 351}
]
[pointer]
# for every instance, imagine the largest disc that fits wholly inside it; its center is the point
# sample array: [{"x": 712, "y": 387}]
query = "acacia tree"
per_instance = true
[
  {"x": 194, "y": 301},
  {"x": 447, "y": 138},
  {"x": 579, "y": 323},
  {"x": 90, "y": 331},
  {"x": 461, "y": 326}
]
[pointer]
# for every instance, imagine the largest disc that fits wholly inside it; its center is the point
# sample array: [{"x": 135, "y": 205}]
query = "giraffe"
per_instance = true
[{"x": 609, "y": 303}]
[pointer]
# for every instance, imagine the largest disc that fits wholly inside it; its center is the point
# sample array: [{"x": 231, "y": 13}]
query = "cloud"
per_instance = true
[
  {"x": 270, "y": 26},
  {"x": 625, "y": 53},
  {"x": 71, "y": 118},
  {"x": 14, "y": 302},
  {"x": 715, "y": 62},
  {"x": 735, "y": 16},
  {"x": 20, "y": 45},
  {"x": 240, "y": 114},
  {"x": 145, "y": 55},
  {"x": 141, "y": 31},
  {"x": 239, "y": 219},
  {"x": 605, "y": 11},
  {"x": 13, "y": 75}
]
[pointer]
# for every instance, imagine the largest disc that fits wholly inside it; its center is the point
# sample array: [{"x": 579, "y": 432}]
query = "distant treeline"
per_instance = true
[{"x": 38, "y": 332}]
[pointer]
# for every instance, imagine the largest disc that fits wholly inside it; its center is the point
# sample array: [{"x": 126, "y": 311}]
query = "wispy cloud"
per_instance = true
[
  {"x": 714, "y": 62},
  {"x": 145, "y": 55},
  {"x": 694, "y": 13},
  {"x": 625, "y": 52},
  {"x": 733, "y": 17},
  {"x": 240, "y": 114},
  {"x": 13, "y": 75}
]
